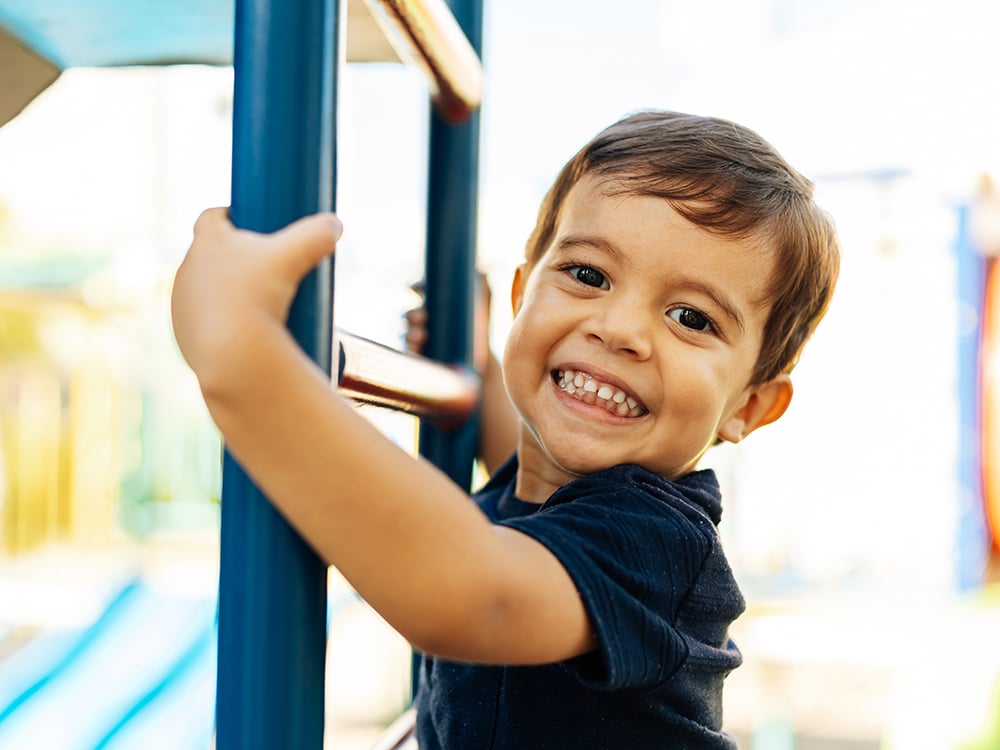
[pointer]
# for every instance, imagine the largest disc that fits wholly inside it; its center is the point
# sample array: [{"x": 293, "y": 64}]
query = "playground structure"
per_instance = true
[
  {"x": 273, "y": 609},
  {"x": 969, "y": 567}
]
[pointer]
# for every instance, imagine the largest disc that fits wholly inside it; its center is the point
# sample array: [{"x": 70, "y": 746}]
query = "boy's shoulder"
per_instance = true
[{"x": 696, "y": 494}]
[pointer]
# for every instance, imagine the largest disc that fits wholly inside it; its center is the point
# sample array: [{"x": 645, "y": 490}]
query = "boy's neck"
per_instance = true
[{"x": 537, "y": 478}]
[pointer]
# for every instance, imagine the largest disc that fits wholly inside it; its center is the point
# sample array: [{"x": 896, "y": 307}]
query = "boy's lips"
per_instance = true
[{"x": 585, "y": 387}]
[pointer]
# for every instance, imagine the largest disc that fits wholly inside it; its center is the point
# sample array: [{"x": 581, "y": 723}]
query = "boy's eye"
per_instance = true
[
  {"x": 589, "y": 276},
  {"x": 690, "y": 318}
]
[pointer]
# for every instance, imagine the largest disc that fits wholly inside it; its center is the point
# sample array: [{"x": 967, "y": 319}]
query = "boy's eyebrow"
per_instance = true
[
  {"x": 599, "y": 243},
  {"x": 609, "y": 248},
  {"x": 718, "y": 298}
]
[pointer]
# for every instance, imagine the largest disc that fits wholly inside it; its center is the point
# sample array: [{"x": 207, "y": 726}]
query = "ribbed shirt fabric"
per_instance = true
[{"x": 645, "y": 555}]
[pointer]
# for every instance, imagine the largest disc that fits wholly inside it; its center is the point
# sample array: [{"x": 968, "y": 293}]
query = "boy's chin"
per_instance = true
[{"x": 577, "y": 465}]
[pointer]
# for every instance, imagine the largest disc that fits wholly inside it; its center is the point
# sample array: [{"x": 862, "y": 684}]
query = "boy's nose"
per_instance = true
[{"x": 622, "y": 328}]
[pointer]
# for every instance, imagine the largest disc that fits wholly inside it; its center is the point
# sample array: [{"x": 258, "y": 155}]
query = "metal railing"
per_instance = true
[
  {"x": 375, "y": 374},
  {"x": 426, "y": 34}
]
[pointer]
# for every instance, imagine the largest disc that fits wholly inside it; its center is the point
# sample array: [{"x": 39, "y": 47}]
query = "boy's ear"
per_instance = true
[
  {"x": 762, "y": 404},
  {"x": 517, "y": 287}
]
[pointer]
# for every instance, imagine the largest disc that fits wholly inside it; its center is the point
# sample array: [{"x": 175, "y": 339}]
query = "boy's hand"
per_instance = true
[
  {"x": 233, "y": 279},
  {"x": 416, "y": 330},
  {"x": 415, "y": 337}
]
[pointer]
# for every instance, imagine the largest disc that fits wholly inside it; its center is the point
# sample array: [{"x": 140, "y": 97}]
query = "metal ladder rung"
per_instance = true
[
  {"x": 425, "y": 34},
  {"x": 376, "y": 374}
]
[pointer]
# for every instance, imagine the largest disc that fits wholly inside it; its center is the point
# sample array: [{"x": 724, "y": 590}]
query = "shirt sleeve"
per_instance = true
[{"x": 633, "y": 559}]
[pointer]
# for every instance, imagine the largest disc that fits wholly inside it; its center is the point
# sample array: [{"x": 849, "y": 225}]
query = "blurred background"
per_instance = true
[{"x": 859, "y": 525}]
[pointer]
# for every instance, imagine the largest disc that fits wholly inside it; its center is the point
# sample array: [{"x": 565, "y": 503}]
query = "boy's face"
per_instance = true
[{"x": 634, "y": 339}]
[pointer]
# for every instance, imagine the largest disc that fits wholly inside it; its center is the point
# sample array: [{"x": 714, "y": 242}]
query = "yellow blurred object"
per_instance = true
[
  {"x": 31, "y": 440},
  {"x": 58, "y": 426},
  {"x": 92, "y": 430}
]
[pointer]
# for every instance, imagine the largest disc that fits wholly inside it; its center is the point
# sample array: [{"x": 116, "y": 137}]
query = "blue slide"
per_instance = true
[{"x": 142, "y": 675}]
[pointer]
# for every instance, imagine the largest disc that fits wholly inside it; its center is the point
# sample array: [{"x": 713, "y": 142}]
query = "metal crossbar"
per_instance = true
[
  {"x": 426, "y": 34},
  {"x": 375, "y": 374}
]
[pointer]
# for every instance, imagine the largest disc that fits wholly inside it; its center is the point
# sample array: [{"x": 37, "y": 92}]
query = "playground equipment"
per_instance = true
[
  {"x": 272, "y": 634},
  {"x": 286, "y": 57}
]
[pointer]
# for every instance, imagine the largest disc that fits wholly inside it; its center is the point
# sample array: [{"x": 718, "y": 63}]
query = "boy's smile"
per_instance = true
[
  {"x": 634, "y": 339},
  {"x": 582, "y": 386}
]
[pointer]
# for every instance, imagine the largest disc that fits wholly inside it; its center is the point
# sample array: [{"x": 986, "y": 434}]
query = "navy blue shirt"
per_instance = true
[{"x": 645, "y": 555}]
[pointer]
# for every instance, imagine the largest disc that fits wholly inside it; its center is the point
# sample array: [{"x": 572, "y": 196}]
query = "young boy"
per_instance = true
[{"x": 677, "y": 268}]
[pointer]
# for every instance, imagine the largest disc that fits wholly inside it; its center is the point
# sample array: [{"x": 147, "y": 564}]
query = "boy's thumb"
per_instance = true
[{"x": 310, "y": 239}]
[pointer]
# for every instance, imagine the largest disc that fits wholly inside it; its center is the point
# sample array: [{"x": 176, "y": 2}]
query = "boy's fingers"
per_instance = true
[
  {"x": 414, "y": 341},
  {"x": 311, "y": 239},
  {"x": 416, "y": 330},
  {"x": 210, "y": 220},
  {"x": 416, "y": 317},
  {"x": 293, "y": 250}
]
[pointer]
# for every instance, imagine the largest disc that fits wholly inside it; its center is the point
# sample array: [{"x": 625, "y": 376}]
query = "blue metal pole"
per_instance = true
[
  {"x": 450, "y": 264},
  {"x": 973, "y": 541},
  {"x": 272, "y": 586}
]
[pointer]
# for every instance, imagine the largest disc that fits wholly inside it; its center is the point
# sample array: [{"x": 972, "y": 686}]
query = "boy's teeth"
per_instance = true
[{"x": 588, "y": 390}]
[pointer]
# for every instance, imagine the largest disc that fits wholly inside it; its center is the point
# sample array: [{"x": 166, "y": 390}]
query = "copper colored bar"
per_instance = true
[
  {"x": 425, "y": 34},
  {"x": 372, "y": 373}
]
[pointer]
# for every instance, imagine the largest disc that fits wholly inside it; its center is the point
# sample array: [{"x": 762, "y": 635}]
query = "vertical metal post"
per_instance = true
[
  {"x": 272, "y": 587},
  {"x": 450, "y": 264},
  {"x": 972, "y": 542}
]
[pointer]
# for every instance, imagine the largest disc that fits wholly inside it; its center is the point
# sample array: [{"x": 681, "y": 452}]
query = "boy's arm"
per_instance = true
[
  {"x": 401, "y": 532},
  {"x": 499, "y": 423}
]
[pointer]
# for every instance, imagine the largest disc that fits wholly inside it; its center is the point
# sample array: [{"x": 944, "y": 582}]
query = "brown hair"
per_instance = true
[{"x": 728, "y": 180}]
